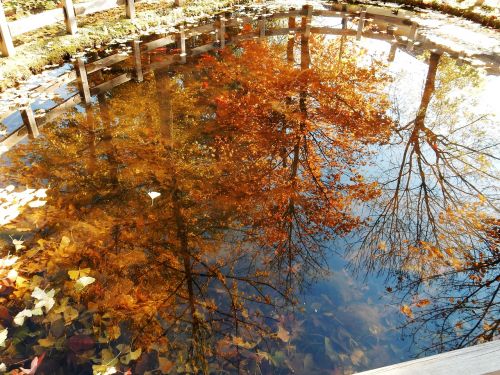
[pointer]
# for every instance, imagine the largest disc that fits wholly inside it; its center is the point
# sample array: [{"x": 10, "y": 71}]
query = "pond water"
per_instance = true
[{"x": 284, "y": 205}]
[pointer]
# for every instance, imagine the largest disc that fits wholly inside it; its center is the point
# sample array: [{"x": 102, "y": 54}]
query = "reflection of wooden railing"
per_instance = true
[{"x": 399, "y": 31}]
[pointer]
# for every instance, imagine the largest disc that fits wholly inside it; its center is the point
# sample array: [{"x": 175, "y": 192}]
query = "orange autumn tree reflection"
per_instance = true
[{"x": 255, "y": 163}]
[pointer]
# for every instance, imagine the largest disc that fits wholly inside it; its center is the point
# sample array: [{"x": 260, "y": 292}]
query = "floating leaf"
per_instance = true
[
  {"x": 19, "y": 318},
  {"x": 18, "y": 244},
  {"x": 37, "y": 203},
  {"x": 3, "y": 337},
  {"x": 45, "y": 299},
  {"x": 83, "y": 282},
  {"x": 406, "y": 310},
  {"x": 153, "y": 195}
]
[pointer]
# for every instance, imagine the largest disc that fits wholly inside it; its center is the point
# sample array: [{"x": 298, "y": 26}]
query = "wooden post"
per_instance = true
[
  {"x": 182, "y": 44},
  {"x": 179, "y": 3},
  {"x": 306, "y": 21},
  {"x": 361, "y": 23},
  {"x": 344, "y": 16},
  {"x": 70, "y": 17},
  {"x": 291, "y": 38},
  {"x": 262, "y": 27},
  {"x": 6, "y": 45},
  {"x": 137, "y": 59},
  {"x": 222, "y": 32},
  {"x": 30, "y": 121},
  {"x": 392, "y": 51},
  {"x": 130, "y": 8},
  {"x": 412, "y": 36},
  {"x": 83, "y": 83}
]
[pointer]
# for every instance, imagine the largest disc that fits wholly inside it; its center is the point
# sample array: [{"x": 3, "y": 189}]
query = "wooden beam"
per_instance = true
[
  {"x": 105, "y": 62},
  {"x": 6, "y": 45},
  {"x": 83, "y": 83},
  {"x": 29, "y": 121},
  {"x": 108, "y": 85},
  {"x": 477, "y": 359},
  {"x": 137, "y": 60},
  {"x": 70, "y": 17},
  {"x": 130, "y": 8},
  {"x": 159, "y": 42}
]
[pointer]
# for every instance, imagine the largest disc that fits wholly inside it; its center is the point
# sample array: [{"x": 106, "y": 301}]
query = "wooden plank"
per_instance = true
[
  {"x": 284, "y": 31},
  {"x": 70, "y": 17},
  {"x": 201, "y": 29},
  {"x": 159, "y": 42},
  {"x": 83, "y": 83},
  {"x": 202, "y": 49},
  {"x": 108, "y": 85},
  {"x": 13, "y": 139},
  {"x": 36, "y": 21},
  {"x": 130, "y": 8},
  {"x": 137, "y": 61},
  {"x": 478, "y": 359},
  {"x": 60, "y": 109},
  {"x": 291, "y": 13},
  {"x": 105, "y": 62},
  {"x": 166, "y": 61},
  {"x": 29, "y": 121},
  {"x": 6, "y": 45}
]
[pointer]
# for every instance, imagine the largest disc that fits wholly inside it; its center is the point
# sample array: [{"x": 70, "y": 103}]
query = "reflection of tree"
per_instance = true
[
  {"x": 255, "y": 161},
  {"x": 443, "y": 166}
]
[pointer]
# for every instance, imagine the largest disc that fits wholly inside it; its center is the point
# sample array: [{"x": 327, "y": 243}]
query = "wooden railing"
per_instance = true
[
  {"x": 68, "y": 13},
  {"x": 400, "y": 31}
]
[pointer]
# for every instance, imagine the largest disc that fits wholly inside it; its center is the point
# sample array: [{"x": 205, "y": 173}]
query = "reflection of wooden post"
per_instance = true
[
  {"x": 262, "y": 27},
  {"x": 130, "y": 8},
  {"x": 222, "y": 32},
  {"x": 30, "y": 121},
  {"x": 182, "y": 44},
  {"x": 305, "y": 58},
  {"x": 344, "y": 16},
  {"x": 83, "y": 83},
  {"x": 70, "y": 17},
  {"x": 412, "y": 36},
  {"x": 137, "y": 60},
  {"x": 391, "y": 29},
  {"x": 361, "y": 23},
  {"x": 291, "y": 38},
  {"x": 6, "y": 45},
  {"x": 392, "y": 52},
  {"x": 306, "y": 21},
  {"x": 179, "y": 3}
]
